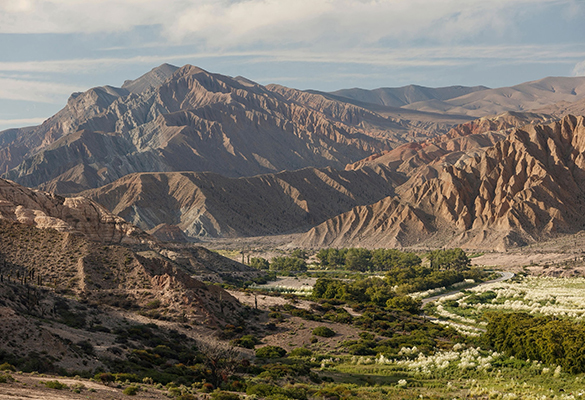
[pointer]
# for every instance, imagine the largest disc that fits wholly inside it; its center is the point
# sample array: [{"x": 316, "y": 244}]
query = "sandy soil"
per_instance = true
[
  {"x": 520, "y": 259},
  {"x": 29, "y": 387},
  {"x": 296, "y": 332}
]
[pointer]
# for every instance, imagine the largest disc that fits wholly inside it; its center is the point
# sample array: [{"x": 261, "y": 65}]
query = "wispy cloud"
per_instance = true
[
  {"x": 233, "y": 23},
  {"x": 34, "y": 91},
  {"x": 579, "y": 69},
  {"x": 21, "y": 122},
  {"x": 454, "y": 55}
]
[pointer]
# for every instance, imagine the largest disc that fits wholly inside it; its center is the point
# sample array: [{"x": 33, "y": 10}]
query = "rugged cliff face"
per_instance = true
[
  {"x": 76, "y": 215},
  {"x": 187, "y": 119},
  {"x": 204, "y": 204},
  {"x": 526, "y": 187}
]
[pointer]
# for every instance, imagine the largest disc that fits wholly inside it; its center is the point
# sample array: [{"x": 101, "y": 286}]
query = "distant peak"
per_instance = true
[
  {"x": 151, "y": 79},
  {"x": 189, "y": 69}
]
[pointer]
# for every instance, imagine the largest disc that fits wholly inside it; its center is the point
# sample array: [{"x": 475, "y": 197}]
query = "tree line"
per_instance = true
[
  {"x": 544, "y": 338},
  {"x": 364, "y": 260}
]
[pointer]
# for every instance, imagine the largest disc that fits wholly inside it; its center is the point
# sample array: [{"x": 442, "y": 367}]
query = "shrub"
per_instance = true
[
  {"x": 246, "y": 341},
  {"x": 186, "y": 396},
  {"x": 259, "y": 263},
  {"x": 323, "y": 331},
  {"x": 6, "y": 378},
  {"x": 301, "y": 352},
  {"x": 105, "y": 378},
  {"x": 221, "y": 395},
  {"x": 270, "y": 352},
  {"x": 55, "y": 385},
  {"x": 261, "y": 390},
  {"x": 7, "y": 367},
  {"x": 207, "y": 387},
  {"x": 131, "y": 391}
]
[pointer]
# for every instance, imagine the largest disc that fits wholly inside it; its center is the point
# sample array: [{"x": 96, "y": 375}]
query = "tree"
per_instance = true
[
  {"x": 455, "y": 259},
  {"x": 358, "y": 259},
  {"x": 259, "y": 263},
  {"x": 299, "y": 253},
  {"x": 288, "y": 264},
  {"x": 221, "y": 361},
  {"x": 404, "y": 303}
]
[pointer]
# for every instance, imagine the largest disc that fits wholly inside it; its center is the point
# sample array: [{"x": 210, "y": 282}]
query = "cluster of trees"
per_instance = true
[
  {"x": 358, "y": 259},
  {"x": 405, "y": 274},
  {"x": 544, "y": 338},
  {"x": 282, "y": 264},
  {"x": 375, "y": 291},
  {"x": 363, "y": 260}
]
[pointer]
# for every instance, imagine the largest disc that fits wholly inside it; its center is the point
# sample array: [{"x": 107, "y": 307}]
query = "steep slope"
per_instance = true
[
  {"x": 396, "y": 124},
  {"x": 76, "y": 215},
  {"x": 203, "y": 204},
  {"x": 67, "y": 302},
  {"x": 461, "y": 142},
  {"x": 206, "y": 204},
  {"x": 192, "y": 121},
  {"x": 525, "y": 188},
  {"x": 477, "y": 101}
]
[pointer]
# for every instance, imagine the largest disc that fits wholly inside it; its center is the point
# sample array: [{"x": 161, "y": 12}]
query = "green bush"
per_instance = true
[
  {"x": 300, "y": 352},
  {"x": 261, "y": 390},
  {"x": 259, "y": 263},
  {"x": 246, "y": 341},
  {"x": 323, "y": 331},
  {"x": 6, "y": 378},
  {"x": 270, "y": 352},
  {"x": 131, "y": 391},
  {"x": 7, "y": 367},
  {"x": 221, "y": 395},
  {"x": 55, "y": 385}
]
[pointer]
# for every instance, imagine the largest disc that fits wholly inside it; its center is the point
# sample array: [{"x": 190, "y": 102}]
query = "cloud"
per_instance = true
[
  {"x": 454, "y": 55},
  {"x": 34, "y": 91},
  {"x": 21, "y": 121},
  {"x": 228, "y": 24},
  {"x": 579, "y": 69}
]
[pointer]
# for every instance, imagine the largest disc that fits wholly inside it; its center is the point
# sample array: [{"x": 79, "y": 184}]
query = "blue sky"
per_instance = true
[{"x": 51, "y": 48}]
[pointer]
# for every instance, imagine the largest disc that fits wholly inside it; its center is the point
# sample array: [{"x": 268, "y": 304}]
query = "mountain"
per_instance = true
[
  {"x": 186, "y": 119},
  {"x": 210, "y": 205},
  {"x": 207, "y": 204},
  {"x": 476, "y": 101},
  {"x": 402, "y": 96},
  {"x": 525, "y": 188},
  {"x": 462, "y": 141}
]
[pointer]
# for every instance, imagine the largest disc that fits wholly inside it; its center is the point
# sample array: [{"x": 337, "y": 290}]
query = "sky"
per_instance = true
[{"x": 52, "y": 48}]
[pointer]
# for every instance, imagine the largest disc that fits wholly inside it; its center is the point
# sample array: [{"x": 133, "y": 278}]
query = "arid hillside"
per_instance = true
[
  {"x": 525, "y": 188},
  {"x": 206, "y": 204},
  {"x": 210, "y": 205}
]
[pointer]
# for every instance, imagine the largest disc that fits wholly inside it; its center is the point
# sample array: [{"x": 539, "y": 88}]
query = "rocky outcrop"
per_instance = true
[
  {"x": 168, "y": 233},
  {"x": 525, "y": 188},
  {"x": 77, "y": 215}
]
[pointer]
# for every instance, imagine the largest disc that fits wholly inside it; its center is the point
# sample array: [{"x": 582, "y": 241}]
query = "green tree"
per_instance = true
[
  {"x": 259, "y": 263},
  {"x": 455, "y": 259},
  {"x": 288, "y": 264},
  {"x": 358, "y": 259}
]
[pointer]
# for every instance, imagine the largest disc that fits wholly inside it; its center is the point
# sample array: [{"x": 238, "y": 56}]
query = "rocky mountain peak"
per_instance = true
[{"x": 151, "y": 79}]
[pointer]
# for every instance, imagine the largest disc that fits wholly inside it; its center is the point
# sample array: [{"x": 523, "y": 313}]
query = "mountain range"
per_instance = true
[{"x": 184, "y": 152}]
